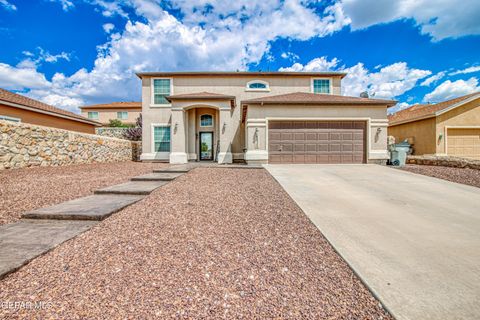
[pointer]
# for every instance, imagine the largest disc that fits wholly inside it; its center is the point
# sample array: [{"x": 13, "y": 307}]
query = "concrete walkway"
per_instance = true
[
  {"x": 48, "y": 227},
  {"x": 414, "y": 240}
]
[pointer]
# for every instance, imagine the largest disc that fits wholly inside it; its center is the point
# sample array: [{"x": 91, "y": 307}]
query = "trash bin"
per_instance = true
[{"x": 398, "y": 153}]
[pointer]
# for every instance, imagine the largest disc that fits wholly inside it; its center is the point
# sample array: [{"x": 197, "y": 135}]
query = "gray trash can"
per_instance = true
[{"x": 398, "y": 153}]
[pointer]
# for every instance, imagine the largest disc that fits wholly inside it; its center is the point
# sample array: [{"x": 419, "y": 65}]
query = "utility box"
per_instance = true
[{"x": 398, "y": 153}]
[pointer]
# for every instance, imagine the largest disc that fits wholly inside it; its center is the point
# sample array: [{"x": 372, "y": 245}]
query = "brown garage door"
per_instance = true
[
  {"x": 463, "y": 143},
  {"x": 316, "y": 141}
]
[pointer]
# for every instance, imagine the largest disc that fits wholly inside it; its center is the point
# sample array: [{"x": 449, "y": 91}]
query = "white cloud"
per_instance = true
[
  {"x": 439, "y": 18},
  {"x": 449, "y": 90},
  {"x": 20, "y": 78},
  {"x": 427, "y": 82},
  {"x": 388, "y": 82},
  {"x": 289, "y": 55},
  {"x": 466, "y": 70},
  {"x": 66, "y": 4},
  {"x": 108, "y": 27},
  {"x": 161, "y": 42},
  {"x": 317, "y": 64},
  {"x": 398, "y": 107},
  {"x": 7, "y": 5}
]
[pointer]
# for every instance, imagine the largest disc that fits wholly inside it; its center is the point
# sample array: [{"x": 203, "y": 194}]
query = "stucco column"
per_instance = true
[
  {"x": 226, "y": 136},
  {"x": 178, "y": 154},
  {"x": 256, "y": 141}
]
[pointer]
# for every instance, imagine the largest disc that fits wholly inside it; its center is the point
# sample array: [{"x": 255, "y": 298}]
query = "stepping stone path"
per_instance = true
[{"x": 43, "y": 229}]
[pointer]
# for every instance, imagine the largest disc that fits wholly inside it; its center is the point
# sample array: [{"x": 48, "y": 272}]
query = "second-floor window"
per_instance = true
[
  {"x": 122, "y": 115},
  {"x": 257, "y": 85},
  {"x": 92, "y": 115},
  {"x": 161, "y": 89},
  {"x": 321, "y": 86}
]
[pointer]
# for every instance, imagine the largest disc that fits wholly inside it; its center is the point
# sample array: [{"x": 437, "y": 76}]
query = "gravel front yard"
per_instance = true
[
  {"x": 215, "y": 243},
  {"x": 33, "y": 188},
  {"x": 460, "y": 175}
]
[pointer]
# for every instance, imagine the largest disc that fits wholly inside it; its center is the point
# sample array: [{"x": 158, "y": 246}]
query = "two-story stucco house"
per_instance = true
[{"x": 259, "y": 117}]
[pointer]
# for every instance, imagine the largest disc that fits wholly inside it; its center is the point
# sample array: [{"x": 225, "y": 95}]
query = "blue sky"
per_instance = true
[{"x": 70, "y": 53}]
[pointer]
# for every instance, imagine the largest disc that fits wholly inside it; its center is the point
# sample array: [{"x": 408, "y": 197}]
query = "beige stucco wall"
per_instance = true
[
  {"x": 228, "y": 85},
  {"x": 105, "y": 115},
  {"x": 467, "y": 115},
  {"x": 232, "y": 133},
  {"x": 258, "y": 117},
  {"x": 421, "y": 133}
]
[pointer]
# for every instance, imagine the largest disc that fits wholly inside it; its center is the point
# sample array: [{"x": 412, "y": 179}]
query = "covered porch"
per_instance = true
[{"x": 200, "y": 127}]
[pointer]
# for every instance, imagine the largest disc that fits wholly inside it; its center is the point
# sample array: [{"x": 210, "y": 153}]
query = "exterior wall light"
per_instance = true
[
  {"x": 175, "y": 128},
  {"x": 224, "y": 127},
  {"x": 377, "y": 134}
]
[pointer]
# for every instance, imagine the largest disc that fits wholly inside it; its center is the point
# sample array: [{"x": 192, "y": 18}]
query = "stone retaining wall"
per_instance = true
[
  {"x": 111, "y": 132},
  {"x": 444, "y": 161},
  {"x": 26, "y": 145}
]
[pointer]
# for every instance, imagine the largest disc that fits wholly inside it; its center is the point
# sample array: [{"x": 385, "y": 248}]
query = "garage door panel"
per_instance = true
[
  {"x": 323, "y": 136},
  {"x": 299, "y": 147},
  {"x": 347, "y": 147},
  {"x": 347, "y": 136},
  {"x": 316, "y": 142},
  {"x": 274, "y": 135},
  {"x": 299, "y": 136},
  {"x": 310, "y": 147},
  {"x": 334, "y": 147},
  {"x": 310, "y": 158},
  {"x": 311, "y": 136},
  {"x": 322, "y": 147},
  {"x": 286, "y": 136}
]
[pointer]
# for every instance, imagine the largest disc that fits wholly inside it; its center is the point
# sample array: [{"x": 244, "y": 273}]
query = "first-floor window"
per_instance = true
[
  {"x": 122, "y": 115},
  {"x": 92, "y": 115},
  {"x": 161, "y": 138}
]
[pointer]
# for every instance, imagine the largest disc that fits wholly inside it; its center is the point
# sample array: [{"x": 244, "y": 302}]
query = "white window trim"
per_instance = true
[
  {"x": 96, "y": 118},
  {"x": 206, "y": 114},
  {"x": 322, "y": 78},
  {"x": 126, "y": 118},
  {"x": 7, "y": 118},
  {"x": 267, "y": 89},
  {"x": 152, "y": 135},
  {"x": 152, "y": 95}
]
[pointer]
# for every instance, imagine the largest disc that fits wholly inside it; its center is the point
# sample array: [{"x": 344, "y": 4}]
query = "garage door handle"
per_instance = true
[{"x": 280, "y": 148}]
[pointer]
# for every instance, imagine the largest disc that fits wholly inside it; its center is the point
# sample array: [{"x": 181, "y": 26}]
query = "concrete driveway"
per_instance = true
[{"x": 414, "y": 240}]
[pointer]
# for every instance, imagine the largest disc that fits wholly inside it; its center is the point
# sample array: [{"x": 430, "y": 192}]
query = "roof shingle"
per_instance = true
[
  {"x": 7, "y": 96},
  {"x": 314, "y": 98},
  {"x": 200, "y": 95},
  {"x": 423, "y": 111}
]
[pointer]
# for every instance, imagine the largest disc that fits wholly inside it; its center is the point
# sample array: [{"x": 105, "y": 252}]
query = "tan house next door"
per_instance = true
[{"x": 316, "y": 142}]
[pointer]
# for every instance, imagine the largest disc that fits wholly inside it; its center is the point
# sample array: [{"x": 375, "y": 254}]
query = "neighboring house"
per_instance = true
[
  {"x": 448, "y": 128},
  {"x": 18, "y": 108},
  {"x": 260, "y": 117},
  {"x": 127, "y": 112}
]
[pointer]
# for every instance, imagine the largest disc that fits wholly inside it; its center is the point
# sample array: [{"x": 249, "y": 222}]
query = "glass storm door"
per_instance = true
[{"x": 206, "y": 145}]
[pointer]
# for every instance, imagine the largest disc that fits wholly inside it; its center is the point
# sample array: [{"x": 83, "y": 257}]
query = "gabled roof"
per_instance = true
[
  {"x": 315, "y": 98},
  {"x": 425, "y": 111},
  {"x": 115, "y": 105},
  {"x": 200, "y": 95},
  {"x": 22, "y": 102},
  {"x": 240, "y": 73}
]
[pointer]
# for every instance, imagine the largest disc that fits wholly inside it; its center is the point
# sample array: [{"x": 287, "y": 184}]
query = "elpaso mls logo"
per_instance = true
[{"x": 28, "y": 305}]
